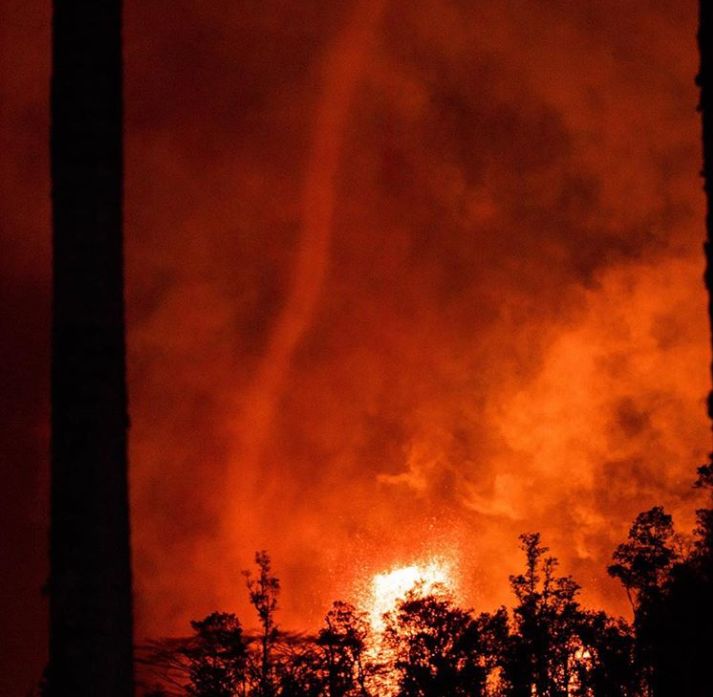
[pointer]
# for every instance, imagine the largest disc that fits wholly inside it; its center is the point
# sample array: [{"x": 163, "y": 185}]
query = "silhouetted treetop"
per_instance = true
[{"x": 644, "y": 561}]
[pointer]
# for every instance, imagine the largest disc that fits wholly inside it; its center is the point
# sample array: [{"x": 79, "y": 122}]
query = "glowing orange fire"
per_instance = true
[{"x": 387, "y": 588}]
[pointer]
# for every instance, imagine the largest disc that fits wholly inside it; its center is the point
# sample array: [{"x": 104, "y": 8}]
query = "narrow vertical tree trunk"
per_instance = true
[
  {"x": 90, "y": 574},
  {"x": 705, "y": 75}
]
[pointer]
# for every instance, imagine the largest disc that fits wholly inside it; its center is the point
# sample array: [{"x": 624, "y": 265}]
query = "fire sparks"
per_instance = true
[
  {"x": 389, "y": 587},
  {"x": 434, "y": 575}
]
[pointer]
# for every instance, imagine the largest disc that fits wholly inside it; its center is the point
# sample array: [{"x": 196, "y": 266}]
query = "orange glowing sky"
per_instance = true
[{"x": 403, "y": 279}]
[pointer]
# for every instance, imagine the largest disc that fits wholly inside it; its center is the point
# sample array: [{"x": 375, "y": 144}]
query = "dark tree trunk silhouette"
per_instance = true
[
  {"x": 90, "y": 569},
  {"x": 705, "y": 74}
]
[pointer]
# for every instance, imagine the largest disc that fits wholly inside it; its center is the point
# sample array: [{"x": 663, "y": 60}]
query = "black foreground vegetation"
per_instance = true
[{"x": 546, "y": 645}]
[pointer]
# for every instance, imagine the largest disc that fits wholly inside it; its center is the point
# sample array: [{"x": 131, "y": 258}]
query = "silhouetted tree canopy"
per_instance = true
[
  {"x": 546, "y": 645},
  {"x": 547, "y": 650},
  {"x": 644, "y": 561},
  {"x": 217, "y": 659},
  {"x": 263, "y": 591},
  {"x": 436, "y": 647},
  {"x": 343, "y": 644}
]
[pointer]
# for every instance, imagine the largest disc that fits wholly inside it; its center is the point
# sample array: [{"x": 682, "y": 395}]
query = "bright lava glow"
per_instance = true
[{"x": 389, "y": 587}]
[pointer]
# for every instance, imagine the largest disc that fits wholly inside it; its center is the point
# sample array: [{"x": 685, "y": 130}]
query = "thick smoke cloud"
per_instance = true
[{"x": 509, "y": 328}]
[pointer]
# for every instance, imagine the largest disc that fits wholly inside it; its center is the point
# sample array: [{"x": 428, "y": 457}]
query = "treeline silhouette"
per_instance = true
[{"x": 547, "y": 644}]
